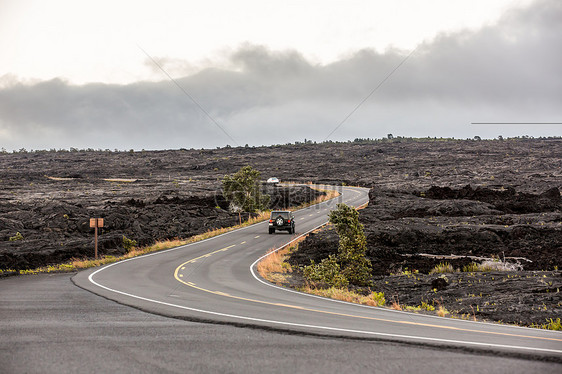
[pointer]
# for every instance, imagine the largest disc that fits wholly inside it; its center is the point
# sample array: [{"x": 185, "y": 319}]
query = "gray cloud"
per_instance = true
[{"x": 506, "y": 72}]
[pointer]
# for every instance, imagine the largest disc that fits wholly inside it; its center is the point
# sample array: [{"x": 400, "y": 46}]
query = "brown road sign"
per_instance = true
[{"x": 96, "y": 222}]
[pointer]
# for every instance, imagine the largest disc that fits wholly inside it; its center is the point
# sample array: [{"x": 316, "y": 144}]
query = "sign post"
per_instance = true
[{"x": 96, "y": 222}]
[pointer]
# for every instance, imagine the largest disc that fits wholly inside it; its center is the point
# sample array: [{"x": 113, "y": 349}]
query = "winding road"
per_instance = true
[{"x": 215, "y": 281}]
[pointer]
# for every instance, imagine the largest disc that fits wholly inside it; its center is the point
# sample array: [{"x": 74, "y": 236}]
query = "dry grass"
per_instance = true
[
  {"x": 395, "y": 305},
  {"x": 273, "y": 266},
  {"x": 343, "y": 294},
  {"x": 443, "y": 267},
  {"x": 441, "y": 311},
  {"x": 80, "y": 264},
  {"x": 273, "y": 263}
]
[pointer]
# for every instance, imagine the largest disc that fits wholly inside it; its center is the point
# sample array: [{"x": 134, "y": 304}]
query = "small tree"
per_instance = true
[
  {"x": 352, "y": 245},
  {"x": 242, "y": 190},
  {"x": 350, "y": 264}
]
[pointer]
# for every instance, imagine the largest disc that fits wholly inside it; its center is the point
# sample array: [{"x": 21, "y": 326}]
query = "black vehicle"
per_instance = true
[{"x": 282, "y": 220}]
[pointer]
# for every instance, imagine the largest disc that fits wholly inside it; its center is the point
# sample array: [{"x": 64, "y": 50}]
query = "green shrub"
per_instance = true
[
  {"x": 378, "y": 298},
  {"x": 426, "y": 306},
  {"x": 129, "y": 244},
  {"x": 16, "y": 237},
  {"x": 328, "y": 271}
]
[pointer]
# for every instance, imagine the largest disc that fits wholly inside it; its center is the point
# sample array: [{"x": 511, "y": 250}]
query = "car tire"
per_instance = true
[
  {"x": 280, "y": 221},
  {"x": 271, "y": 231}
]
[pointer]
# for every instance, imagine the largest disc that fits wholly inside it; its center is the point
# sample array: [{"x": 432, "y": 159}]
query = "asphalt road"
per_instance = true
[
  {"x": 215, "y": 280},
  {"x": 47, "y": 325}
]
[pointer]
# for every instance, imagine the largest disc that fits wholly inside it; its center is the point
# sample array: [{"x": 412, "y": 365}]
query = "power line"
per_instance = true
[
  {"x": 370, "y": 93},
  {"x": 188, "y": 95},
  {"x": 516, "y": 123}
]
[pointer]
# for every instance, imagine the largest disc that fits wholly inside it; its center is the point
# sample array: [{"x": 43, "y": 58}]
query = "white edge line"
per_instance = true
[
  {"x": 316, "y": 326},
  {"x": 259, "y": 279},
  {"x": 372, "y": 333}
]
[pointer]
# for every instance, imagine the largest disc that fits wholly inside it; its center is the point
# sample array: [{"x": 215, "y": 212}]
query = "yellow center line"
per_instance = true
[
  {"x": 190, "y": 284},
  {"x": 182, "y": 266},
  {"x": 255, "y": 237},
  {"x": 244, "y": 242}
]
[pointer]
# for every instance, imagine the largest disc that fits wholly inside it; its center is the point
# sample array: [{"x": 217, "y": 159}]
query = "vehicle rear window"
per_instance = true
[{"x": 285, "y": 215}]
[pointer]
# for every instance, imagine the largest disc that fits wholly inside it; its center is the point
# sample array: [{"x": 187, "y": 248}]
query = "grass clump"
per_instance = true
[
  {"x": 441, "y": 311},
  {"x": 343, "y": 294},
  {"x": 473, "y": 267},
  {"x": 416, "y": 308},
  {"x": 273, "y": 266},
  {"x": 491, "y": 265},
  {"x": 442, "y": 268},
  {"x": 376, "y": 299},
  {"x": 16, "y": 237},
  {"x": 551, "y": 324}
]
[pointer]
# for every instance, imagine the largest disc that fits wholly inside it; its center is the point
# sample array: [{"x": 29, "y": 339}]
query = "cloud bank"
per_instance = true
[{"x": 508, "y": 72}]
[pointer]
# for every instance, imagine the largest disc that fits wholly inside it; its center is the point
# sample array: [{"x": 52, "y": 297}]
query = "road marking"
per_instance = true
[
  {"x": 255, "y": 237},
  {"x": 244, "y": 242},
  {"x": 221, "y": 293},
  {"x": 294, "y": 324},
  {"x": 356, "y": 316},
  {"x": 318, "y": 327}
]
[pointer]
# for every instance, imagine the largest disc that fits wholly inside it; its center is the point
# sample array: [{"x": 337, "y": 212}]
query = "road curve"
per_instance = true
[{"x": 214, "y": 280}]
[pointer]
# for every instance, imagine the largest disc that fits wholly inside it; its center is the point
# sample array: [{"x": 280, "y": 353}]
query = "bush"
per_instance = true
[
  {"x": 16, "y": 237},
  {"x": 328, "y": 271},
  {"x": 129, "y": 244},
  {"x": 350, "y": 264},
  {"x": 377, "y": 299}
]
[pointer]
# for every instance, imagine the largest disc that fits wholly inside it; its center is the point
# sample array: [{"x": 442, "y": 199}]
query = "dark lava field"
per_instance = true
[{"x": 431, "y": 201}]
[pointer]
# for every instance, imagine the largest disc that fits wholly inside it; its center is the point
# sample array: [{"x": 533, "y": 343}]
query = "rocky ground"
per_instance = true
[
  {"x": 518, "y": 235},
  {"x": 48, "y": 198},
  {"x": 432, "y": 200}
]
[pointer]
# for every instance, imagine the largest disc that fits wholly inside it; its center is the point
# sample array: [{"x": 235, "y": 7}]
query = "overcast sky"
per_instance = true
[{"x": 265, "y": 72}]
